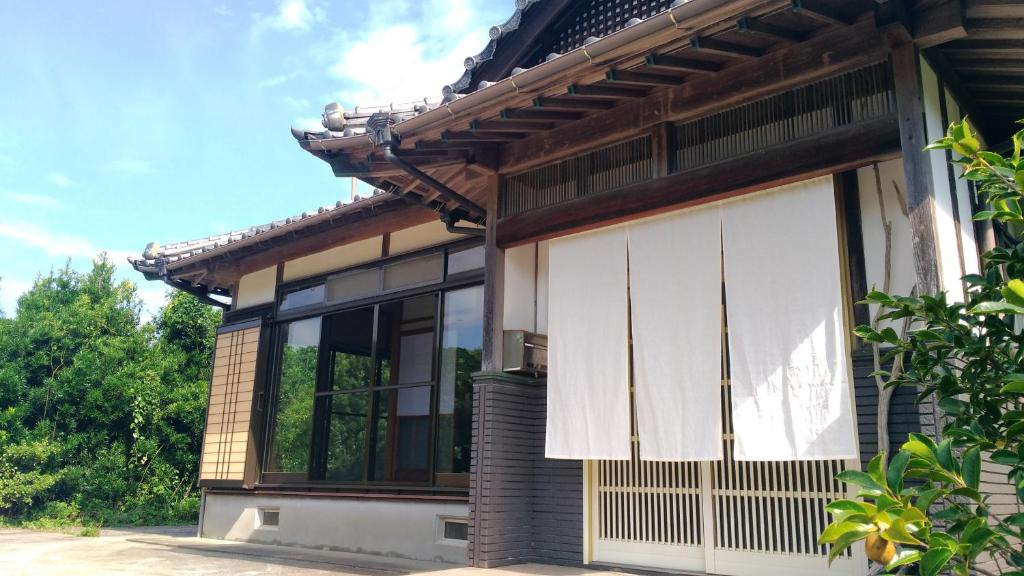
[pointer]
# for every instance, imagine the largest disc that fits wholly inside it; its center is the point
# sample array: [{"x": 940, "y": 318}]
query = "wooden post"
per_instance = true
[
  {"x": 916, "y": 166},
  {"x": 494, "y": 283}
]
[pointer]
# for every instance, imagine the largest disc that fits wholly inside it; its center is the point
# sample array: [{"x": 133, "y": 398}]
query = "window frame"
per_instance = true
[{"x": 280, "y": 318}]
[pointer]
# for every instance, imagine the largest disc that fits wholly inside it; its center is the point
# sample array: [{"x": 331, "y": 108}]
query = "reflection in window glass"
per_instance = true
[
  {"x": 346, "y": 436},
  {"x": 414, "y": 272},
  {"x": 405, "y": 341},
  {"x": 353, "y": 286},
  {"x": 461, "y": 353},
  {"x": 304, "y": 297},
  {"x": 466, "y": 260},
  {"x": 402, "y": 426},
  {"x": 293, "y": 420},
  {"x": 350, "y": 341}
]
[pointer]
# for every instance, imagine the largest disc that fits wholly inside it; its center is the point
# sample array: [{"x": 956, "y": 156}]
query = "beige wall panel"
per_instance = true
[
  {"x": 422, "y": 236},
  {"x": 226, "y": 438},
  {"x": 255, "y": 288},
  {"x": 334, "y": 259},
  {"x": 542, "y": 287},
  {"x": 521, "y": 288}
]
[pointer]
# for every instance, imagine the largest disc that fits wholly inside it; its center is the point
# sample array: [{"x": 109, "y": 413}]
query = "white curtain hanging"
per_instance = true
[
  {"x": 787, "y": 346},
  {"x": 675, "y": 283},
  {"x": 588, "y": 364}
]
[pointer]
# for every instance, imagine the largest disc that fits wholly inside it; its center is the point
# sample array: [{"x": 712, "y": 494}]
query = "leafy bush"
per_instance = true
[
  {"x": 101, "y": 414},
  {"x": 968, "y": 357}
]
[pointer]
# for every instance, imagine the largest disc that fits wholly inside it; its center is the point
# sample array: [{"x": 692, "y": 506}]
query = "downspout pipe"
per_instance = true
[{"x": 379, "y": 126}]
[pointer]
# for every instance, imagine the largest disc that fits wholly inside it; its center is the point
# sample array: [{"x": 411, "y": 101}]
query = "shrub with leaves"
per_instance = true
[{"x": 924, "y": 508}]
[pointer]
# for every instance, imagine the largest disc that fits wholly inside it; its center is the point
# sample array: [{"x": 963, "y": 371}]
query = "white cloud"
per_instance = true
[
  {"x": 10, "y": 290},
  {"x": 275, "y": 80},
  {"x": 394, "y": 65},
  {"x": 40, "y": 200},
  {"x": 60, "y": 180},
  {"x": 129, "y": 166},
  {"x": 31, "y": 235},
  {"x": 294, "y": 15},
  {"x": 153, "y": 296},
  {"x": 311, "y": 124}
]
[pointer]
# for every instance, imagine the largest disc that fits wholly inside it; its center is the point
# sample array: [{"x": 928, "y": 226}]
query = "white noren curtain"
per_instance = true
[
  {"x": 787, "y": 346},
  {"x": 675, "y": 282},
  {"x": 588, "y": 362}
]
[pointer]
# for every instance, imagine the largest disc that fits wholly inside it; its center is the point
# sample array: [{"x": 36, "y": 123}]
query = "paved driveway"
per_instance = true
[{"x": 175, "y": 551}]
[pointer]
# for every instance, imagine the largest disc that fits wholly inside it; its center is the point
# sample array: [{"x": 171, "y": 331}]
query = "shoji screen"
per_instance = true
[{"x": 227, "y": 437}]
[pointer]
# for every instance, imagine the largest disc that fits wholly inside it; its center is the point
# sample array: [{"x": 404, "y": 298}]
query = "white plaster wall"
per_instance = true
[
  {"x": 950, "y": 270},
  {"x": 888, "y": 176},
  {"x": 403, "y": 529},
  {"x": 333, "y": 259},
  {"x": 972, "y": 260},
  {"x": 542, "y": 287},
  {"x": 521, "y": 288},
  {"x": 256, "y": 288},
  {"x": 422, "y": 236}
]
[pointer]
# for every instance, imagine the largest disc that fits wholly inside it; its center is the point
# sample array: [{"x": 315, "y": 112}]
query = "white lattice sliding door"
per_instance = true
[
  {"x": 647, "y": 513},
  {"x": 725, "y": 517}
]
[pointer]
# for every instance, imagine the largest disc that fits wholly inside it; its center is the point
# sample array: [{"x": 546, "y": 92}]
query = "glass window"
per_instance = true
[
  {"x": 402, "y": 425},
  {"x": 405, "y": 341},
  {"x": 354, "y": 286},
  {"x": 461, "y": 354},
  {"x": 408, "y": 273},
  {"x": 466, "y": 260},
  {"x": 303, "y": 297},
  {"x": 291, "y": 438},
  {"x": 350, "y": 343},
  {"x": 346, "y": 436}
]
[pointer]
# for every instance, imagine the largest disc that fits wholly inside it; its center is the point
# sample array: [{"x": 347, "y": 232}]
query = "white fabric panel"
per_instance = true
[
  {"x": 588, "y": 364},
  {"x": 675, "y": 290},
  {"x": 787, "y": 346}
]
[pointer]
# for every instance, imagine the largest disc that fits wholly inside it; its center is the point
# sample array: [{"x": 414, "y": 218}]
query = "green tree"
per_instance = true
[
  {"x": 101, "y": 414},
  {"x": 924, "y": 509}
]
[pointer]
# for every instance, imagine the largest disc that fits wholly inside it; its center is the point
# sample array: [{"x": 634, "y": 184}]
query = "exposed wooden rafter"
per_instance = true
[
  {"x": 682, "y": 64},
  {"x": 817, "y": 10},
  {"x": 766, "y": 30},
  {"x": 481, "y": 136},
  {"x": 503, "y": 125},
  {"x": 606, "y": 91},
  {"x": 715, "y": 46},
  {"x": 572, "y": 103},
  {"x": 540, "y": 114},
  {"x": 642, "y": 78}
]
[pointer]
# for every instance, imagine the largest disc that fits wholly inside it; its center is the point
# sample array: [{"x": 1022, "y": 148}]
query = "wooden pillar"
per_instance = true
[
  {"x": 494, "y": 283},
  {"x": 916, "y": 166}
]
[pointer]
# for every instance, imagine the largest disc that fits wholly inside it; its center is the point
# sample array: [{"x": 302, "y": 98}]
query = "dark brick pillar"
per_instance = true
[{"x": 522, "y": 507}]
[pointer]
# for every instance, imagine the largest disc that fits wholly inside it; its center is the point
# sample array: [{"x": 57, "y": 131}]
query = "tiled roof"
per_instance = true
[{"x": 156, "y": 256}]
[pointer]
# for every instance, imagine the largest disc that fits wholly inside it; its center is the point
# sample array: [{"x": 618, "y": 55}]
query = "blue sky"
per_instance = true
[{"x": 125, "y": 122}]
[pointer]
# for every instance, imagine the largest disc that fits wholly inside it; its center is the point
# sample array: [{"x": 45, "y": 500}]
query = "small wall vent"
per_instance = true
[
  {"x": 269, "y": 517},
  {"x": 456, "y": 529}
]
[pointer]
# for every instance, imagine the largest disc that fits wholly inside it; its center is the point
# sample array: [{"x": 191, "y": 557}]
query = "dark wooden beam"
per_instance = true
[
  {"x": 721, "y": 47},
  {"x": 606, "y": 91},
  {"x": 985, "y": 65},
  {"x": 502, "y": 125},
  {"x": 975, "y": 79},
  {"x": 986, "y": 47},
  {"x": 642, "y": 78},
  {"x": 995, "y": 28},
  {"x": 452, "y": 145},
  {"x": 538, "y": 114},
  {"x": 682, "y": 64},
  {"x": 481, "y": 136},
  {"x": 993, "y": 9},
  {"x": 761, "y": 28},
  {"x": 572, "y": 103},
  {"x": 842, "y": 149},
  {"x": 938, "y": 24},
  {"x": 494, "y": 283},
  {"x": 817, "y": 10},
  {"x": 848, "y": 49},
  {"x": 916, "y": 165}
]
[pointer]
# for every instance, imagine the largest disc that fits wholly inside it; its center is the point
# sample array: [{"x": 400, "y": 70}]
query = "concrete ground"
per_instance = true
[{"x": 168, "y": 551}]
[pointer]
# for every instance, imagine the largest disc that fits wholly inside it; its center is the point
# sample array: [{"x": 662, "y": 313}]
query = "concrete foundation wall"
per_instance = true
[{"x": 402, "y": 529}]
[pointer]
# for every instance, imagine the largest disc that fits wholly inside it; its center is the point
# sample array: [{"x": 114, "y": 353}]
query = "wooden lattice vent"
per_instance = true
[{"x": 227, "y": 439}]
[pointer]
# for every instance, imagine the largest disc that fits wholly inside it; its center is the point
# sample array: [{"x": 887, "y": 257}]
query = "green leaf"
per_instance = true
[
  {"x": 876, "y": 469},
  {"x": 840, "y": 507},
  {"x": 862, "y": 479},
  {"x": 953, "y": 406},
  {"x": 902, "y": 558},
  {"x": 935, "y": 560},
  {"x": 920, "y": 449},
  {"x": 1016, "y": 387},
  {"x": 844, "y": 541},
  {"x": 837, "y": 529},
  {"x": 971, "y": 470},
  {"x": 1007, "y": 457},
  {"x": 1014, "y": 292},
  {"x": 899, "y": 532},
  {"x": 991, "y": 307},
  {"x": 897, "y": 467}
]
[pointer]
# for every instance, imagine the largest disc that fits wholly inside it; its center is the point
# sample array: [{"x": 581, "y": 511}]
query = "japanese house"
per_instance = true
[{"x": 599, "y": 309}]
